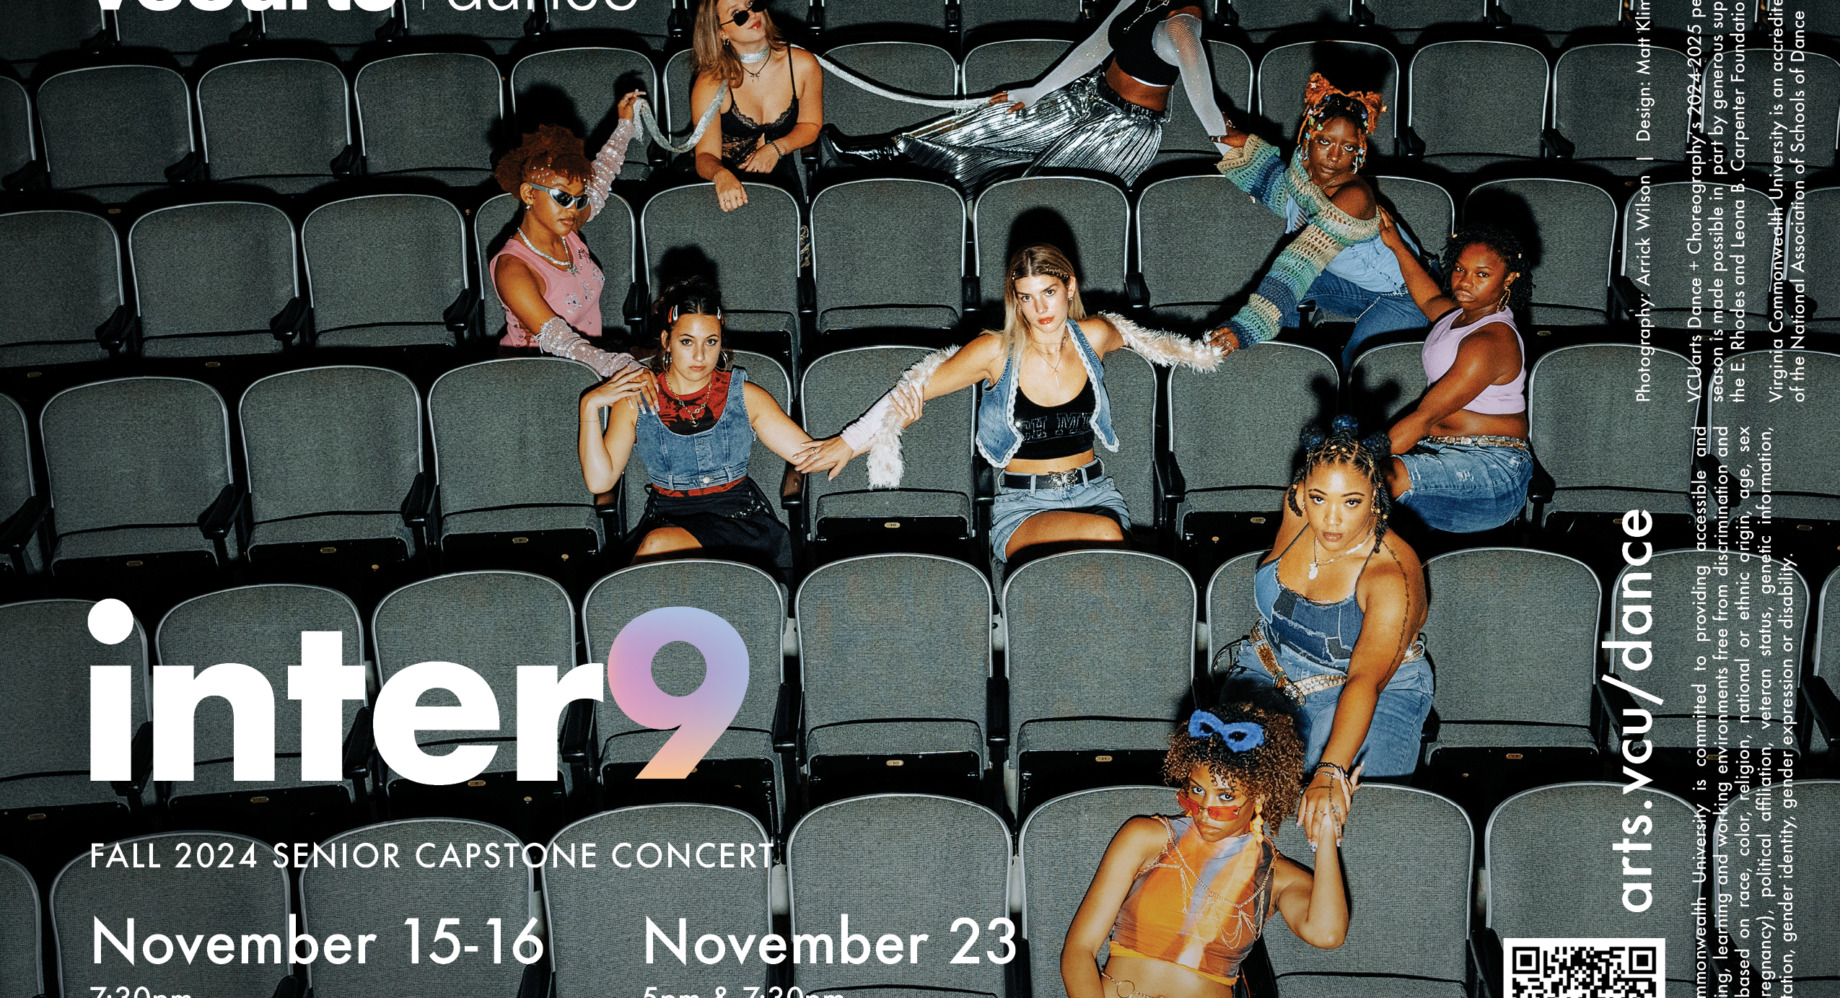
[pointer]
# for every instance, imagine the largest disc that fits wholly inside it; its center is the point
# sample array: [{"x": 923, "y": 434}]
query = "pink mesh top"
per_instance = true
[
  {"x": 1441, "y": 352},
  {"x": 575, "y": 297}
]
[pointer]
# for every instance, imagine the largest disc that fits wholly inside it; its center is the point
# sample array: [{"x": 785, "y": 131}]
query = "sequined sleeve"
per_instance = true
[{"x": 607, "y": 164}]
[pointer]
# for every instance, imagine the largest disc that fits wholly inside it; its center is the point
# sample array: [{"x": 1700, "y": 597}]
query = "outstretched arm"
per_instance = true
[
  {"x": 1178, "y": 41},
  {"x": 941, "y": 373},
  {"x": 1426, "y": 292},
  {"x": 1079, "y": 60},
  {"x": 523, "y": 297},
  {"x": 607, "y": 162}
]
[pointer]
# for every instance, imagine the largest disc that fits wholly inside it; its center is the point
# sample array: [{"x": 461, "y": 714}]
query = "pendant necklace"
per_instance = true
[
  {"x": 568, "y": 265},
  {"x": 1315, "y": 554}
]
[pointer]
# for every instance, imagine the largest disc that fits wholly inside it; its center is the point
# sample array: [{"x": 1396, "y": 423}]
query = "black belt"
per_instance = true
[{"x": 1055, "y": 479}]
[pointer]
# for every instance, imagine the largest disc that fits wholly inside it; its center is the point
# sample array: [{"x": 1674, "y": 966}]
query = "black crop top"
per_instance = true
[
  {"x": 1131, "y": 47},
  {"x": 1055, "y": 431}
]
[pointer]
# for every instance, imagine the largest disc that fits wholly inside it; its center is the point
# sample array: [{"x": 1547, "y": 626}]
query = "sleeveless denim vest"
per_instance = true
[
  {"x": 716, "y": 456},
  {"x": 998, "y": 439}
]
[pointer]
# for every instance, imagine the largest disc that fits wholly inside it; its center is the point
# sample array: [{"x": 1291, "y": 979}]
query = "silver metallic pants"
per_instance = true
[{"x": 1085, "y": 125}]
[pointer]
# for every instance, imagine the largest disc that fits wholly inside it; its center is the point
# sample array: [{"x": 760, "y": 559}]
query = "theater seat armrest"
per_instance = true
[
  {"x": 996, "y": 714},
  {"x": 1410, "y": 144},
  {"x": 970, "y": 295},
  {"x": 1169, "y": 479},
  {"x": 30, "y": 177},
  {"x": 1136, "y": 292},
  {"x": 294, "y": 323},
  {"x": 1485, "y": 962},
  {"x": 534, "y": 983},
  {"x": 229, "y": 511},
  {"x": 360, "y": 745},
  {"x": 786, "y": 719},
  {"x": 390, "y": 30},
  {"x": 1824, "y": 707},
  {"x": 462, "y": 318},
  {"x": 1540, "y": 489},
  {"x": 289, "y": 987},
  {"x": 577, "y": 732},
  {"x": 141, "y": 768},
  {"x": 121, "y": 332},
  {"x": 19, "y": 529},
  {"x": 1556, "y": 146},
  {"x": 190, "y": 170},
  {"x": 984, "y": 484},
  {"x": 348, "y": 163},
  {"x": 1363, "y": 15},
  {"x": 632, "y": 311}
]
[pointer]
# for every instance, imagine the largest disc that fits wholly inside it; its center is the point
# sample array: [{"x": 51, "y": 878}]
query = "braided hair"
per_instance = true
[
  {"x": 1503, "y": 243},
  {"x": 1343, "y": 444},
  {"x": 1270, "y": 773}
]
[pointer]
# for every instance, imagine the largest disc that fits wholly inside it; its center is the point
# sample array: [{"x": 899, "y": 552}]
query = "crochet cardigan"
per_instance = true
[{"x": 1257, "y": 169}]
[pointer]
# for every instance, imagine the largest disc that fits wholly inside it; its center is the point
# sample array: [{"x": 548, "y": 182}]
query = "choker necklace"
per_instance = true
[
  {"x": 1315, "y": 553},
  {"x": 568, "y": 265},
  {"x": 753, "y": 57}
]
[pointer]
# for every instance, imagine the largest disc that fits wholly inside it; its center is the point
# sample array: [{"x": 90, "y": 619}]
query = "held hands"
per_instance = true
[
  {"x": 1325, "y": 805},
  {"x": 628, "y": 104},
  {"x": 762, "y": 160},
  {"x": 1224, "y": 338},
  {"x": 1019, "y": 103},
  {"x": 626, "y": 383},
  {"x": 729, "y": 192},
  {"x": 1234, "y": 137},
  {"x": 1389, "y": 232},
  {"x": 829, "y": 454}
]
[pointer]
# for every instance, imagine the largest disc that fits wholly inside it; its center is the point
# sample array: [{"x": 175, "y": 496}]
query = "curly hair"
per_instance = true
[
  {"x": 549, "y": 149},
  {"x": 1503, "y": 243},
  {"x": 1343, "y": 444},
  {"x": 1271, "y": 773}
]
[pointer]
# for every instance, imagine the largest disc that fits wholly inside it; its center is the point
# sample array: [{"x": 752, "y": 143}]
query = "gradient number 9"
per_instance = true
[{"x": 701, "y": 716}]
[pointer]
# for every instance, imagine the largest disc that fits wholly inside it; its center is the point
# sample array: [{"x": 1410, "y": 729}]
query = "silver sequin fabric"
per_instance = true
[{"x": 1083, "y": 126}]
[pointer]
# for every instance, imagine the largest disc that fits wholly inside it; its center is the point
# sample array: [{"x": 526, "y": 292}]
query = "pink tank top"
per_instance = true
[
  {"x": 575, "y": 297},
  {"x": 1441, "y": 352}
]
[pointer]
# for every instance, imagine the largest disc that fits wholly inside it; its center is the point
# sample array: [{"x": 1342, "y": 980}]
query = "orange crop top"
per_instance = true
[{"x": 1200, "y": 905}]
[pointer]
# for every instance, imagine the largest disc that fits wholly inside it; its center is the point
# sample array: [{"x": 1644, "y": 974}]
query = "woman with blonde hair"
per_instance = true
[
  {"x": 774, "y": 103},
  {"x": 1044, "y": 405}
]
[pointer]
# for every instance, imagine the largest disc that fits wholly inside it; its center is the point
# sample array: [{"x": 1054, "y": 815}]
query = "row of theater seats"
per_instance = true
[
  {"x": 337, "y": 457},
  {"x": 48, "y": 30},
  {"x": 115, "y": 132},
  {"x": 892, "y": 671},
  {"x": 915, "y": 865},
  {"x": 223, "y": 279}
]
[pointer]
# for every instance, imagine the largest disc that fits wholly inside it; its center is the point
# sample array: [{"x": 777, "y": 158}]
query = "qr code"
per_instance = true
[{"x": 1584, "y": 968}]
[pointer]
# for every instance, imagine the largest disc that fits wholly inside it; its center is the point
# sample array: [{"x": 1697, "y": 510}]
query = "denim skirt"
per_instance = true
[{"x": 1012, "y": 506}]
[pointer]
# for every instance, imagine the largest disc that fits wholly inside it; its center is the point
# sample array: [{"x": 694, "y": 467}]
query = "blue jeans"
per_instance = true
[
  {"x": 1012, "y": 506},
  {"x": 1392, "y": 745},
  {"x": 1464, "y": 488},
  {"x": 1375, "y": 312}
]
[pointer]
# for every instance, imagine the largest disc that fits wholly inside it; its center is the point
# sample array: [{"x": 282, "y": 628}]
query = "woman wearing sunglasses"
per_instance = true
[
  {"x": 1102, "y": 107},
  {"x": 544, "y": 275},
  {"x": 775, "y": 98},
  {"x": 1182, "y": 899}
]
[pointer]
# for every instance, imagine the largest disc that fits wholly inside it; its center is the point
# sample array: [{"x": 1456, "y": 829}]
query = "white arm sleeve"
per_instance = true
[
  {"x": 859, "y": 433},
  {"x": 557, "y": 337},
  {"x": 1080, "y": 60},
  {"x": 1178, "y": 41}
]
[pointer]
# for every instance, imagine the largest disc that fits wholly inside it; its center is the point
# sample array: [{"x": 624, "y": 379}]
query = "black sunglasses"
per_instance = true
[
  {"x": 740, "y": 17},
  {"x": 561, "y": 197}
]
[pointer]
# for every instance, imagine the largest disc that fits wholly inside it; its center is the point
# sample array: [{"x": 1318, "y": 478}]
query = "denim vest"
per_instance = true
[
  {"x": 716, "y": 456},
  {"x": 998, "y": 439}
]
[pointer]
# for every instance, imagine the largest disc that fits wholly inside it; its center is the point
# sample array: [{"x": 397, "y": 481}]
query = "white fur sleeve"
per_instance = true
[
  {"x": 881, "y": 426},
  {"x": 1166, "y": 349},
  {"x": 1178, "y": 41}
]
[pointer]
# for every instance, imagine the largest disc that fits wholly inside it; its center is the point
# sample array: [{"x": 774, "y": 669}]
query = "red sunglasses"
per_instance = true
[{"x": 1219, "y": 812}]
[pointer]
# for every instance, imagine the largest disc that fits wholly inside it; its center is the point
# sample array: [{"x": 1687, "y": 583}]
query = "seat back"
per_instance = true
[
  {"x": 238, "y": 105},
  {"x": 17, "y": 146},
  {"x": 164, "y": 473},
  {"x": 1087, "y": 219},
  {"x": 112, "y": 131},
  {"x": 354, "y": 900},
  {"x": 589, "y": 913},
  {"x": 1568, "y": 229},
  {"x": 612, "y": 235},
  {"x": 1000, "y": 65},
  {"x": 186, "y": 899},
  {"x": 1285, "y": 71},
  {"x": 1059, "y": 849},
  {"x": 47, "y": 666},
  {"x": 1236, "y": 433},
  {"x": 1513, "y": 635},
  {"x": 1600, "y": 104},
  {"x": 953, "y": 857},
  {"x": 747, "y": 598},
  {"x": 383, "y": 268},
  {"x": 936, "y": 452},
  {"x": 259, "y": 626},
  {"x": 910, "y": 67},
  {"x": 1386, "y": 382},
  {"x": 330, "y": 440},
  {"x": 429, "y": 115},
  {"x": 61, "y": 277},
  {"x": 869, "y": 273},
  {"x": 209, "y": 277},
  {"x": 1805, "y": 482},
  {"x": 1539, "y": 888},
  {"x": 1581, "y": 412},
  {"x": 1458, "y": 140},
  {"x": 753, "y": 254},
  {"x": 22, "y": 970},
  {"x": 580, "y": 89},
  {"x": 1183, "y": 135},
  {"x": 892, "y": 638},
  {"x": 490, "y": 622},
  {"x": 1194, "y": 276}
]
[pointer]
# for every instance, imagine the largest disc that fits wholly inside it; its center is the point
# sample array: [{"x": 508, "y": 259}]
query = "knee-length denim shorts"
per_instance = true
[{"x": 1466, "y": 487}]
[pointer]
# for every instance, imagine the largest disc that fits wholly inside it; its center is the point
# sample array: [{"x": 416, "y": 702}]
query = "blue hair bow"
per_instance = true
[{"x": 1240, "y": 736}]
